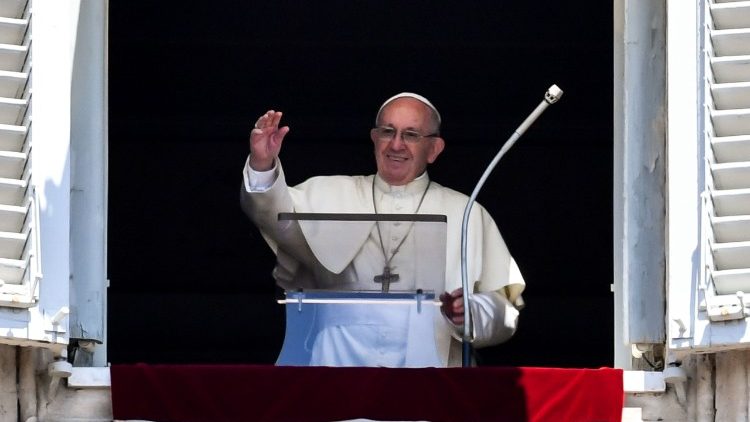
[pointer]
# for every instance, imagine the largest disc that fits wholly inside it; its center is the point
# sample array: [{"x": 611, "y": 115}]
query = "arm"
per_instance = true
[
  {"x": 494, "y": 318},
  {"x": 259, "y": 201},
  {"x": 496, "y": 284},
  {"x": 264, "y": 194},
  {"x": 258, "y": 181}
]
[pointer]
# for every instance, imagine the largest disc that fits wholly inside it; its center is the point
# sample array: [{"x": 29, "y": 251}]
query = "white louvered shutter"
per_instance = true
[
  {"x": 727, "y": 121},
  {"x": 19, "y": 269}
]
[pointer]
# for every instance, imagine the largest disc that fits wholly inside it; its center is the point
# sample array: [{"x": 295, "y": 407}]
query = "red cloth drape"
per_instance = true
[{"x": 192, "y": 393}]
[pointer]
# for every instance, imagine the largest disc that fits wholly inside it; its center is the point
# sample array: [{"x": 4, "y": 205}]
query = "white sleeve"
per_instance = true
[
  {"x": 258, "y": 181},
  {"x": 494, "y": 319}
]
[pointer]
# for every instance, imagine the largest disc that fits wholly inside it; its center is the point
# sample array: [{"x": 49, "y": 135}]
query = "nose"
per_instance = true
[{"x": 397, "y": 143}]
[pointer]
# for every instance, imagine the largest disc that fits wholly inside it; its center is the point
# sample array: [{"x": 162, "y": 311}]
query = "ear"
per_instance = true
[
  {"x": 438, "y": 144},
  {"x": 373, "y": 138}
]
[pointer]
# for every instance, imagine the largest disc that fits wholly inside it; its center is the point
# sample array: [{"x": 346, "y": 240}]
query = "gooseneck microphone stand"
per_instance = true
[{"x": 550, "y": 97}]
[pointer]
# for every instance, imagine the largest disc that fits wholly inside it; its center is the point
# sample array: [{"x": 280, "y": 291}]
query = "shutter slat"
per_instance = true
[
  {"x": 12, "y": 57},
  {"x": 12, "y": 30},
  {"x": 729, "y": 96},
  {"x": 731, "y": 175},
  {"x": 731, "y": 15},
  {"x": 731, "y": 202},
  {"x": 12, "y": 110},
  {"x": 12, "y": 83},
  {"x": 731, "y": 42},
  {"x": 11, "y": 244},
  {"x": 12, "y": 137},
  {"x": 12, "y": 217},
  {"x": 732, "y": 228},
  {"x": 731, "y": 69},
  {"x": 731, "y": 122},
  {"x": 729, "y": 149},
  {"x": 12, "y": 270},
  {"x": 731, "y": 256},
  {"x": 12, "y": 164},
  {"x": 12, "y": 8},
  {"x": 729, "y": 282}
]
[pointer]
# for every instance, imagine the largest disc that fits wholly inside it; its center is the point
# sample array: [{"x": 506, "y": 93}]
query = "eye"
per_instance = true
[
  {"x": 410, "y": 136},
  {"x": 386, "y": 132}
]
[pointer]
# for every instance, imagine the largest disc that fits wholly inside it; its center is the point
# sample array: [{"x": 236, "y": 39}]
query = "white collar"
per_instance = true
[{"x": 415, "y": 187}]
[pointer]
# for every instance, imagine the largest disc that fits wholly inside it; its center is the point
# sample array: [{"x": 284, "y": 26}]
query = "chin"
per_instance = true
[{"x": 396, "y": 173}]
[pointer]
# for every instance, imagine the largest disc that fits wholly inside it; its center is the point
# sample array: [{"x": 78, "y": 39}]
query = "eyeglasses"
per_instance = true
[{"x": 387, "y": 134}]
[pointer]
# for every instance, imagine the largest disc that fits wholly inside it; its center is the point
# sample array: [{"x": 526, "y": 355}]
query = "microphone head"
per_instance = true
[{"x": 553, "y": 94}]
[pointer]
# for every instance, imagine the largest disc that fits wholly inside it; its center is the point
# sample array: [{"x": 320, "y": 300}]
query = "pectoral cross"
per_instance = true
[{"x": 385, "y": 279}]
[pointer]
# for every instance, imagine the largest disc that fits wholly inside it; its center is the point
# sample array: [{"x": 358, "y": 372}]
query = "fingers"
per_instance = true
[
  {"x": 282, "y": 133},
  {"x": 456, "y": 314},
  {"x": 457, "y": 307},
  {"x": 444, "y": 297},
  {"x": 265, "y": 140},
  {"x": 275, "y": 119},
  {"x": 453, "y": 306},
  {"x": 270, "y": 119},
  {"x": 266, "y": 130}
]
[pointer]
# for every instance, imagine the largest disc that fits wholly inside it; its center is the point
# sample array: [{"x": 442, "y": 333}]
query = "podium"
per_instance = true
[
  {"x": 340, "y": 328},
  {"x": 369, "y": 306}
]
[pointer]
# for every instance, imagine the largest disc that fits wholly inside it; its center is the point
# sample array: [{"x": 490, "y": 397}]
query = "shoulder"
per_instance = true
[
  {"x": 337, "y": 182},
  {"x": 454, "y": 197},
  {"x": 333, "y": 194},
  {"x": 449, "y": 193},
  {"x": 453, "y": 203}
]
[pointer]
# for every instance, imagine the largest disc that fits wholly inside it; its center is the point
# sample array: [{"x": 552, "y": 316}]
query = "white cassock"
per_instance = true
[{"x": 310, "y": 264}]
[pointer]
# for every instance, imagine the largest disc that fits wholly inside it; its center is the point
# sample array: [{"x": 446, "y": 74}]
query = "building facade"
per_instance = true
[{"x": 681, "y": 198}]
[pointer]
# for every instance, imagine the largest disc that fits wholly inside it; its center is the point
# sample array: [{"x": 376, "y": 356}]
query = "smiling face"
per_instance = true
[{"x": 401, "y": 162}]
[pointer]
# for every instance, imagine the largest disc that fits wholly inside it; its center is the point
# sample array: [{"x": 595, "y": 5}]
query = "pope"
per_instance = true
[{"x": 406, "y": 139}]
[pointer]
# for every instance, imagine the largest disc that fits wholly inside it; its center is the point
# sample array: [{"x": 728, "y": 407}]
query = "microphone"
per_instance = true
[{"x": 552, "y": 95}]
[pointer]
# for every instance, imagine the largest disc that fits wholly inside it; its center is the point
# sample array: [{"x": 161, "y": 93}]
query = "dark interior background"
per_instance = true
[{"x": 190, "y": 276}]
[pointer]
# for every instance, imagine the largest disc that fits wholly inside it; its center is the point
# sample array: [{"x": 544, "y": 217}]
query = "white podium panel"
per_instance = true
[{"x": 338, "y": 328}]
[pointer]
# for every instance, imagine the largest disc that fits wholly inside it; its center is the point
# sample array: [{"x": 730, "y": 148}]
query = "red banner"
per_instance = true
[{"x": 192, "y": 393}]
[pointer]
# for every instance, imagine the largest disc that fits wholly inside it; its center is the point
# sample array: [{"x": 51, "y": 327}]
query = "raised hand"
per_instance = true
[{"x": 265, "y": 140}]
